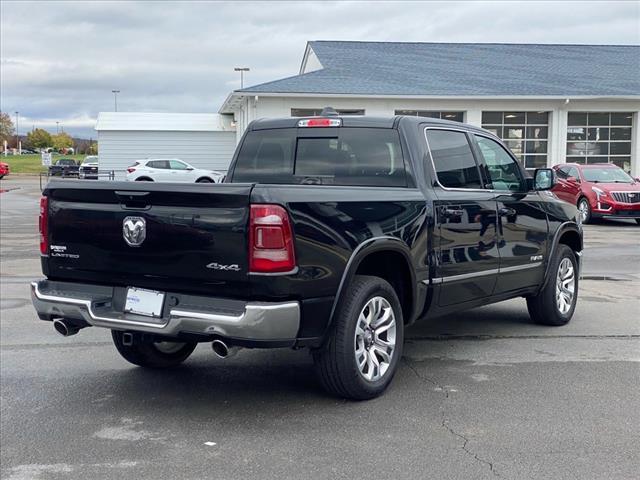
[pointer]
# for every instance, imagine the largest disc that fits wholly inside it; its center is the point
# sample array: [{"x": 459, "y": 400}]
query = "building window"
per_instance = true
[
  {"x": 599, "y": 137},
  {"x": 525, "y": 133},
  {"x": 454, "y": 116},
  {"x": 314, "y": 112}
]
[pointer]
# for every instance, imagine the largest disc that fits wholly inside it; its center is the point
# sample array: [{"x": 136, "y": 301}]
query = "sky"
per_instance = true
[{"x": 61, "y": 60}]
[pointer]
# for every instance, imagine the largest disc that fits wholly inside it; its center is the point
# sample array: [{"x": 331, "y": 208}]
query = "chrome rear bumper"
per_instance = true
[{"x": 97, "y": 306}]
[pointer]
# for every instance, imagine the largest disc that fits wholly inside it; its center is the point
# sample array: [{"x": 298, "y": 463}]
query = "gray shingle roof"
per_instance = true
[{"x": 466, "y": 69}]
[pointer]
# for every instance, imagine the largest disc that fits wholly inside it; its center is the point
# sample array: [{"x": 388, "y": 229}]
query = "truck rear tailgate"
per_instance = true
[{"x": 190, "y": 238}]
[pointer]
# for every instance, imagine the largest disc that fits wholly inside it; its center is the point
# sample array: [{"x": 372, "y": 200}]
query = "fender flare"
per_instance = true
[
  {"x": 565, "y": 227},
  {"x": 363, "y": 250}
]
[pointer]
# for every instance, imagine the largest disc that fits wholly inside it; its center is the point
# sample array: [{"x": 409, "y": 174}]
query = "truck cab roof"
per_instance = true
[{"x": 362, "y": 121}]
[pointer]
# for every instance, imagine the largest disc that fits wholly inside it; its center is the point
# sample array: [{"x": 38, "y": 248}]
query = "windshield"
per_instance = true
[{"x": 606, "y": 175}]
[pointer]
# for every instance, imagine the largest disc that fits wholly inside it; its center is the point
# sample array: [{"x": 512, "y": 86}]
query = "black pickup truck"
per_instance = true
[
  {"x": 332, "y": 233},
  {"x": 65, "y": 167}
]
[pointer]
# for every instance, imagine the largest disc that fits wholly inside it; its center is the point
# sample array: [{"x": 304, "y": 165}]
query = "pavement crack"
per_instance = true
[
  {"x": 446, "y": 421},
  {"x": 465, "y": 443}
]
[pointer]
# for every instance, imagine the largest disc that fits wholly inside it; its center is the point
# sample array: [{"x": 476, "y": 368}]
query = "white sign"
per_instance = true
[{"x": 46, "y": 159}]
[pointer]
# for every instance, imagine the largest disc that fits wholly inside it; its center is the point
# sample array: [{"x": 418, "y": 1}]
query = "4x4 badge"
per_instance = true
[{"x": 134, "y": 230}]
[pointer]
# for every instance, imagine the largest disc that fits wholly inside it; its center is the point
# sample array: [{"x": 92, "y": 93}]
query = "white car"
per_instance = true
[{"x": 170, "y": 170}]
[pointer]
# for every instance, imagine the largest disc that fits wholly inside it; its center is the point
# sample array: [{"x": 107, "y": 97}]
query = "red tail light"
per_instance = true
[
  {"x": 131, "y": 170},
  {"x": 43, "y": 225},
  {"x": 270, "y": 240}
]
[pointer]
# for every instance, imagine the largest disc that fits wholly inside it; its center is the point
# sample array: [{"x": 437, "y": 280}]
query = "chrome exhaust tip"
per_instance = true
[
  {"x": 64, "y": 327},
  {"x": 222, "y": 350}
]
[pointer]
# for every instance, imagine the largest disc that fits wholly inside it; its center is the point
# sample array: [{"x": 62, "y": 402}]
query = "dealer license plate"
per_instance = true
[{"x": 144, "y": 302}]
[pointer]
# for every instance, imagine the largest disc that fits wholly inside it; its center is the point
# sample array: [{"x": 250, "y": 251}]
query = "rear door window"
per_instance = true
[
  {"x": 322, "y": 156},
  {"x": 453, "y": 159},
  {"x": 162, "y": 164}
]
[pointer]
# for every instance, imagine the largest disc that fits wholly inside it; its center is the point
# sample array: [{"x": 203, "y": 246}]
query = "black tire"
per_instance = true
[
  {"x": 144, "y": 179},
  {"x": 543, "y": 307},
  {"x": 638, "y": 221},
  {"x": 335, "y": 362},
  {"x": 204, "y": 180},
  {"x": 585, "y": 201},
  {"x": 148, "y": 355}
]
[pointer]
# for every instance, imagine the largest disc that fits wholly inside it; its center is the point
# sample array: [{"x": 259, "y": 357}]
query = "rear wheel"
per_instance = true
[
  {"x": 365, "y": 345},
  {"x": 153, "y": 355},
  {"x": 555, "y": 303},
  {"x": 144, "y": 179},
  {"x": 584, "y": 209}
]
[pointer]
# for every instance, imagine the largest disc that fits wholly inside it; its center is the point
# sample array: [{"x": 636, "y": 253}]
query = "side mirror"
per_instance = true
[
  {"x": 573, "y": 180},
  {"x": 544, "y": 179},
  {"x": 189, "y": 168}
]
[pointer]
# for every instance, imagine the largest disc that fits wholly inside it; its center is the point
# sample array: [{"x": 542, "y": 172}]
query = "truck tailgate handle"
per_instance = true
[
  {"x": 130, "y": 194},
  {"x": 132, "y": 199}
]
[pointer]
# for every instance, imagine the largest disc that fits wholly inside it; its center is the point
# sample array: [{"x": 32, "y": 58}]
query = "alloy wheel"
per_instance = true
[
  {"x": 375, "y": 338},
  {"x": 565, "y": 286},
  {"x": 583, "y": 208}
]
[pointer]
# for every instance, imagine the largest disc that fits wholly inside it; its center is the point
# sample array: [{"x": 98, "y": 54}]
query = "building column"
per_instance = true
[
  {"x": 474, "y": 117},
  {"x": 635, "y": 145},
  {"x": 557, "y": 152}
]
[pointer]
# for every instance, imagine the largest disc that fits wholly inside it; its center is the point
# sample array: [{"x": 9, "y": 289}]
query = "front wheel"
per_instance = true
[
  {"x": 153, "y": 355},
  {"x": 365, "y": 345},
  {"x": 555, "y": 303},
  {"x": 584, "y": 210},
  {"x": 204, "y": 180}
]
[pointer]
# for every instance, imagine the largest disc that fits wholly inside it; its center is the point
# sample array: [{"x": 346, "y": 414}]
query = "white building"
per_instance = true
[
  {"x": 202, "y": 139},
  {"x": 550, "y": 103}
]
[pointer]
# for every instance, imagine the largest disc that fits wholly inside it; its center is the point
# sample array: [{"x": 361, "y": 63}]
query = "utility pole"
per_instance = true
[
  {"x": 17, "y": 134},
  {"x": 115, "y": 99},
  {"x": 57, "y": 128},
  {"x": 241, "y": 70}
]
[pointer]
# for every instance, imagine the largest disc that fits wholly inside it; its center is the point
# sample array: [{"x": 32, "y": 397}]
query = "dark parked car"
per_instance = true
[
  {"x": 331, "y": 233},
  {"x": 65, "y": 167}
]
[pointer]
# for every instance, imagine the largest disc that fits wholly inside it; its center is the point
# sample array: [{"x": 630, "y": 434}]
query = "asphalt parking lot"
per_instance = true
[{"x": 480, "y": 395}]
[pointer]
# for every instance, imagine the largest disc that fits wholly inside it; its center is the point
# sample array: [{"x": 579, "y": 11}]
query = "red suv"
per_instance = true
[
  {"x": 599, "y": 190},
  {"x": 4, "y": 169}
]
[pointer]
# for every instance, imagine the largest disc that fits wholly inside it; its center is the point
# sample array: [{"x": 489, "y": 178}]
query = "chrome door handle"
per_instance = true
[
  {"x": 506, "y": 212},
  {"x": 453, "y": 212}
]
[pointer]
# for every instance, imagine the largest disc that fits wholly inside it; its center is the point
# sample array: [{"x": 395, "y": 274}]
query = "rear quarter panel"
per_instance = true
[{"x": 327, "y": 232}]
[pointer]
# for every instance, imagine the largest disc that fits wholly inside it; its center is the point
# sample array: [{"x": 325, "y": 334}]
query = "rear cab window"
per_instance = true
[
  {"x": 322, "y": 156},
  {"x": 453, "y": 159}
]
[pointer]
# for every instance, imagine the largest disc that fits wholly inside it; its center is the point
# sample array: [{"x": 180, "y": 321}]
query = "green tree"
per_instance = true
[
  {"x": 92, "y": 149},
  {"x": 6, "y": 127},
  {"x": 39, "y": 138},
  {"x": 62, "y": 140}
]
